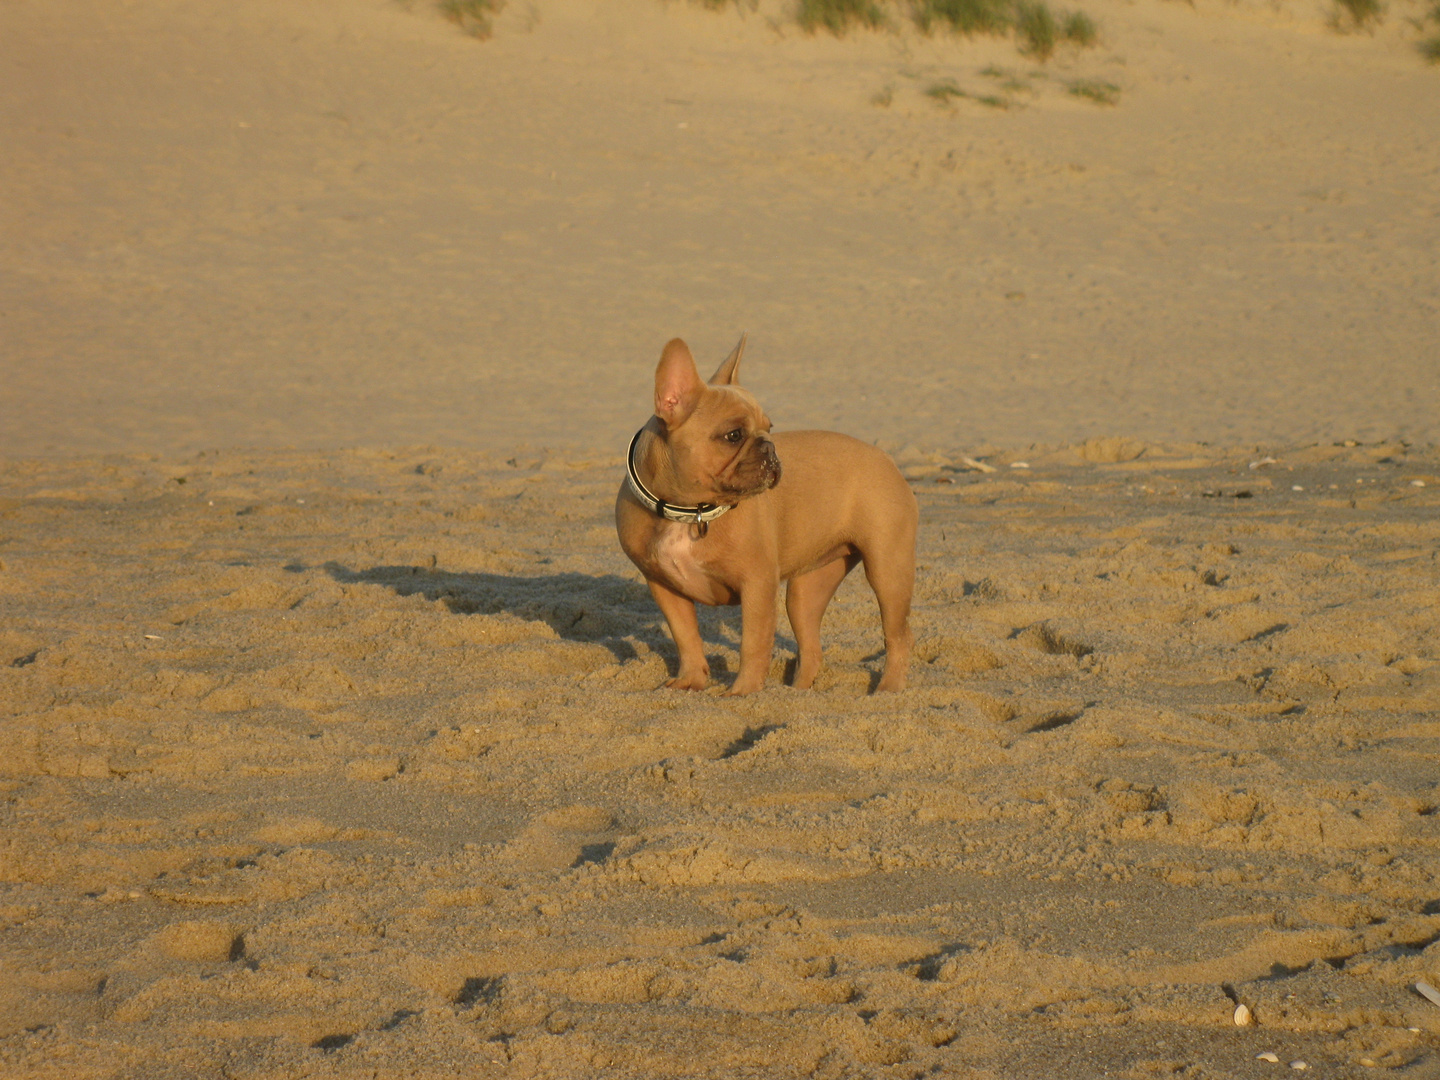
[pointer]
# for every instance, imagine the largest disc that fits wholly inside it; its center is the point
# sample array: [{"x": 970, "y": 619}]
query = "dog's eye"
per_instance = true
[{"x": 736, "y": 436}]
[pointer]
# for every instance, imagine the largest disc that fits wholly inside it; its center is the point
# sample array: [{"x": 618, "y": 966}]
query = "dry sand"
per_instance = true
[
  {"x": 349, "y": 762},
  {"x": 362, "y": 751}
]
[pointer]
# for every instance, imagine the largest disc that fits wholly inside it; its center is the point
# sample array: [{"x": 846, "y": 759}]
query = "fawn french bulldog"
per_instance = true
[{"x": 716, "y": 510}]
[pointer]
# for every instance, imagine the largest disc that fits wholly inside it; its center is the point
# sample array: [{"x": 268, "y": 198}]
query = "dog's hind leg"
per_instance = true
[
  {"x": 890, "y": 569},
  {"x": 806, "y": 598}
]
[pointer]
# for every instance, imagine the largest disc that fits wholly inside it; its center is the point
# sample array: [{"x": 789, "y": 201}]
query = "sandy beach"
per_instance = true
[{"x": 330, "y": 743}]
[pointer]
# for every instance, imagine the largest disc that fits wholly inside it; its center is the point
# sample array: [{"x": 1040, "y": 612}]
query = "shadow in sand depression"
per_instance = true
[{"x": 601, "y": 608}]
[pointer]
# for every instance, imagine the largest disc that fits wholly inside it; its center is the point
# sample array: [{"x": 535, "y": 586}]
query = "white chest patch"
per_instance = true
[{"x": 676, "y": 555}]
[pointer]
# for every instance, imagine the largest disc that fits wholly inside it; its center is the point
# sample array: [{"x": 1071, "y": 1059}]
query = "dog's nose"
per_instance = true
[{"x": 772, "y": 462}]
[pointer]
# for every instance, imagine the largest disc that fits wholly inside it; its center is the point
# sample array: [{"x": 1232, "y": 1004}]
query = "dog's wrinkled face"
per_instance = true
[
  {"x": 722, "y": 446},
  {"x": 716, "y": 432}
]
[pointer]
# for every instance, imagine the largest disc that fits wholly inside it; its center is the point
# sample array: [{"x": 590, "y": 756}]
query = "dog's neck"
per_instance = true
[{"x": 656, "y": 467}]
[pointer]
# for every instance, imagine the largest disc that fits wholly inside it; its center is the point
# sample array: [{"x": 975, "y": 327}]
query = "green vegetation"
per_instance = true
[
  {"x": 964, "y": 16},
  {"x": 1102, "y": 93},
  {"x": 1036, "y": 27},
  {"x": 1009, "y": 81},
  {"x": 837, "y": 16},
  {"x": 1430, "y": 47},
  {"x": 1348, "y": 16},
  {"x": 1079, "y": 29},
  {"x": 1039, "y": 30},
  {"x": 946, "y": 89},
  {"x": 472, "y": 16}
]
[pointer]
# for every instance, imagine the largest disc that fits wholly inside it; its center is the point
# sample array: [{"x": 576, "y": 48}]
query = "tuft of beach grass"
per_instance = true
[
  {"x": 838, "y": 16},
  {"x": 963, "y": 16},
  {"x": 1430, "y": 47},
  {"x": 472, "y": 16},
  {"x": 1079, "y": 29},
  {"x": 1102, "y": 93},
  {"x": 945, "y": 90},
  {"x": 1352, "y": 16},
  {"x": 1037, "y": 28}
]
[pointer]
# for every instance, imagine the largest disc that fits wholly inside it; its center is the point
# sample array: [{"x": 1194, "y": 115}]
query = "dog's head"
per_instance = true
[{"x": 714, "y": 433}]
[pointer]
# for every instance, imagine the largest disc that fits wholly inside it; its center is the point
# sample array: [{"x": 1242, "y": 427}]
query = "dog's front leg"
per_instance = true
[
  {"x": 679, "y": 612},
  {"x": 757, "y": 634}
]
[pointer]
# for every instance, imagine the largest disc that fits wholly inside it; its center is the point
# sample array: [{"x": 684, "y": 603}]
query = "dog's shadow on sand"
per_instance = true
[{"x": 602, "y": 608}]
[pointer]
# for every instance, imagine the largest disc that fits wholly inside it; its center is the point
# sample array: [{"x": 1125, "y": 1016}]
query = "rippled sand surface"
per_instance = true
[{"x": 353, "y": 763}]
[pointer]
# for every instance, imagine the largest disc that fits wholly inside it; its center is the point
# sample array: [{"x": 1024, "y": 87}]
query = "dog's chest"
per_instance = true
[{"x": 678, "y": 555}]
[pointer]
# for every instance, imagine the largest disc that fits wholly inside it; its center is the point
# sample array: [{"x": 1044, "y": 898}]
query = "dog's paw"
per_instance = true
[
  {"x": 688, "y": 682},
  {"x": 740, "y": 689}
]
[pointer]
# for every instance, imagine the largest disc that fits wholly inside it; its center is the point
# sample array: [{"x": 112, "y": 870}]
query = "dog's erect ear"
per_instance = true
[
  {"x": 728, "y": 373},
  {"x": 677, "y": 384}
]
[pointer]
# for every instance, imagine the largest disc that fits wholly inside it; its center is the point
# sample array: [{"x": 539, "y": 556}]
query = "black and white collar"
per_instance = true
[{"x": 701, "y": 515}]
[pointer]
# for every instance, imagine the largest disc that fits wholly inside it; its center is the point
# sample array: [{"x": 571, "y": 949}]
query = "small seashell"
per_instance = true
[
  {"x": 1019, "y": 464},
  {"x": 1417, "y": 483},
  {"x": 1369, "y": 1063},
  {"x": 1242, "y": 1016},
  {"x": 1298, "y": 1065},
  {"x": 1263, "y": 462},
  {"x": 1273, "y": 1058},
  {"x": 1296, "y": 487},
  {"x": 1428, "y": 992}
]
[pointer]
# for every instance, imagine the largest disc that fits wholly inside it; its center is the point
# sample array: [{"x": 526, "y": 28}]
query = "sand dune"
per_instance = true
[{"x": 340, "y": 223}]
